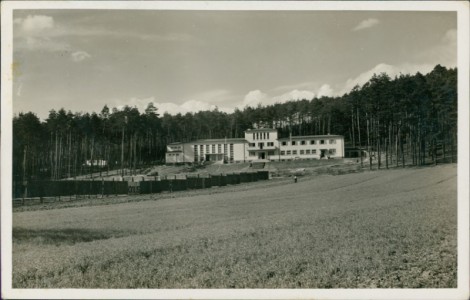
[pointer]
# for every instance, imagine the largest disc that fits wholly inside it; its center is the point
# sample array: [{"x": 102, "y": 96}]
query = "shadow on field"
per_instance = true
[{"x": 57, "y": 237}]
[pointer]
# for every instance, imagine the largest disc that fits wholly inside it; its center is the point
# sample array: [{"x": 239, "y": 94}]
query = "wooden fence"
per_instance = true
[{"x": 48, "y": 188}]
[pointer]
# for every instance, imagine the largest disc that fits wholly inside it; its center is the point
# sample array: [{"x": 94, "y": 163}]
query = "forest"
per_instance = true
[{"x": 405, "y": 120}]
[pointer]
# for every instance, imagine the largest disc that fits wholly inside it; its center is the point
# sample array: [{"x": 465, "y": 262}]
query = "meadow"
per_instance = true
[{"x": 377, "y": 229}]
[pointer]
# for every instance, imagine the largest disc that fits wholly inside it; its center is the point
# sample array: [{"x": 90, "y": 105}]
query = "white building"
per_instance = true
[
  {"x": 311, "y": 146},
  {"x": 228, "y": 150},
  {"x": 258, "y": 144},
  {"x": 262, "y": 144}
]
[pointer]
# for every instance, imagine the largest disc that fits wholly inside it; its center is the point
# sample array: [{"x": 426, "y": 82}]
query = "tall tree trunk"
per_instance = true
[{"x": 368, "y": 144}]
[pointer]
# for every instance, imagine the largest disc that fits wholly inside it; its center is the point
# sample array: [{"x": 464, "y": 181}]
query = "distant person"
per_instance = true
[{"x": 295, "y": 179}]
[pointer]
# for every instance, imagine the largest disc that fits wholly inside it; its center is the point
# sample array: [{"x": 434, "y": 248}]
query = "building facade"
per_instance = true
[
  {"x": 258, "y": 144},
  {"x": 311, "y": 147},
  {"x": 262, "y": 144}
]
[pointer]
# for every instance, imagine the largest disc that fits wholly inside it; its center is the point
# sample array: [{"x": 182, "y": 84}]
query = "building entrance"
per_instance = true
[{"x": 262, "y": 155}]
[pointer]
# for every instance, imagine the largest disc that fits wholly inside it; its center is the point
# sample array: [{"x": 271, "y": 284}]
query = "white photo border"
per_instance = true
[{"x": 462, "y": 290}]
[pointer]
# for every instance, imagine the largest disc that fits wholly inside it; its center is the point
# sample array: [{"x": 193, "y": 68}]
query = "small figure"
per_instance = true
[{"x": 295, "y": 179}]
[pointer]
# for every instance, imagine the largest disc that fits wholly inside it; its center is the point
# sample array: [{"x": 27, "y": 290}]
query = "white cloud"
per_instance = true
[
  {"x": 35, "y": 23},
  {"x": 190, "y": 106},
  {"x": 390, "y": 70},
  {"x": 80, "y": 56},
  {"x": 368, "y": 23},
  {"x": 444, "y": 53},
  {"x": 256, "y": 97},
  {"x": 325, "y": 90},
  {"x": 253, "y": 98},
  {"x": 194, "y": 105},
  {"x": 168, "y": 107},
  {"x": 43, "y": 43},
  {"x": 293, "y": 95}
]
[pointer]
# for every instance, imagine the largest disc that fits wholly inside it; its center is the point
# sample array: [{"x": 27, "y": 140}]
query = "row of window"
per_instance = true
[
  {"x": 261, "y": 135},
  {"x": 261, "y": 145},
  {"x": 306, "y": 152},
  {"x": 212, "y": 147},
  {"x": 253, "y": 153},
  {"x": 219, "y": 148},
  {"x": 312, "y": 142},
  {"x": 172, "y": 154}
]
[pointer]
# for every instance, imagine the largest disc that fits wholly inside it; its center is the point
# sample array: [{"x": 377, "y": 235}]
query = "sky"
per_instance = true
[{"x": 186, "y": 61}]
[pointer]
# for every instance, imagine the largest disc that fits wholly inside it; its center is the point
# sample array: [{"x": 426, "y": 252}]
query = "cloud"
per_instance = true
[
  {"x": 190, "y": 106},
  {"x": 293, "y": 95},
  {"x": 80, "y": 56},
  {"x": 257, "y": 97},
  {"x": 43, "y": 44},
  {"x": 325, "y": 91},
  {"x": 40, "y": 33},
  {"x": 35, "y": 23},
  {"x": 368, "y": 23},
  {"x": 194, "y": 105},
  {"x": 444, "y": 53},
  {"x": 390, "y": 70},
  {"x": 253, "y": 98},
  {"x": 302, "y": 85}
]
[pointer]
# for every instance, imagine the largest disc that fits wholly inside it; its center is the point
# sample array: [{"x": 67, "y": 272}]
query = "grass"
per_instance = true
[{"x": 379, "y": 229}]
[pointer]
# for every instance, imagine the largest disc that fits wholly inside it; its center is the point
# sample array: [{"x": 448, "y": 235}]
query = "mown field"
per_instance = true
[{"x": 395, "y": 228}]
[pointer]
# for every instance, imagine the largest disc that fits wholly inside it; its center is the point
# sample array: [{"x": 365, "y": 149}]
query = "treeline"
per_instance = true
[{"x": 409, "y": 117}]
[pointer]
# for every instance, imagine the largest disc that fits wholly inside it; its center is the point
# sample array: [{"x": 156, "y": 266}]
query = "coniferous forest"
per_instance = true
[{"x": 406, "y": 120}]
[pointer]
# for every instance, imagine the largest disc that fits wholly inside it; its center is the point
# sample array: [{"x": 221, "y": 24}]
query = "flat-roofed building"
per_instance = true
[
  {"x": 227, "y": 150},
  {"x": 311, "y": 146},
  {"x": 262, "y": 144},
  {"x": 258, "y": 144}
]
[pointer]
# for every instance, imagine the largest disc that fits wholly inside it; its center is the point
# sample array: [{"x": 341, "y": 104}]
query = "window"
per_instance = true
[
  {"x": 294, "y": 152},
  {"x": 251, "y": 153},
  {"x": 213, "y": 148},
  {"x": 307, "y": 151},
  {"x": 207, "y": 148},
  {"x": 252, "y": 144},
  {"x": 332, "y": 141},
  {"x": 253, "y": 135},
  {"x": 270, "y": 152},
  {"x": 302, "y": 142},
  {"x": 302, "y": 152},
  {"x": 284, "y": 143},
  {"x": 293, "y": 143},
  {"x": 268, "y": 135},
  {"x": 264, "y": 135},
  {"x": 322, "y": 142},
  {"x": 283, "y": 152},
  {"x": 314, "y": 151},
  {"x": 195, "y": 153},
  {"x": 312, "y": 142},
  {"x": 270, "y": 144},
  {"x": 288, "y": 152},
  {"x": 332, "y": 151}
]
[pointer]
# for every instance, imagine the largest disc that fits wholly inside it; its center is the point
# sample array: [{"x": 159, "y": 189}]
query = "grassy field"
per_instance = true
[{"x": 393, "y": 228}]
